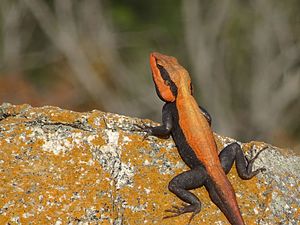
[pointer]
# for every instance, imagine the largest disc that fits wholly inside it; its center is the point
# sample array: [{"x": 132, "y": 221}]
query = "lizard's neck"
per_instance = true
[{"x": 183, "y": 92}]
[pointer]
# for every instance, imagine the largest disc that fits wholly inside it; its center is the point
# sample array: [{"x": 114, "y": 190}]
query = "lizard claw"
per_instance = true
[
  {"x": 176, "y": 209},
  {"x": 185, "y": 208},
  {"x": 143, "y": 128},
  {"x": 251, "y": 162}
]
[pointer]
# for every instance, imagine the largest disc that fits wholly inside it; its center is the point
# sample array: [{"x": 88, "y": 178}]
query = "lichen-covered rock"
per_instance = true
[{"x": 64, "y": 167}]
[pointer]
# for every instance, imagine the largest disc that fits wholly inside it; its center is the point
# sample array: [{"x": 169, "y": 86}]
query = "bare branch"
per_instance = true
[
  {"x": 12, "y": 42},
  {"x": 62, "y": 32}
]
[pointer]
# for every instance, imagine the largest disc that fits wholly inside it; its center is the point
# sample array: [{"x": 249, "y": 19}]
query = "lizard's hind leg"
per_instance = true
[
  {"x": 180, "y": 185},
  {"x": 234, "y": 152}
]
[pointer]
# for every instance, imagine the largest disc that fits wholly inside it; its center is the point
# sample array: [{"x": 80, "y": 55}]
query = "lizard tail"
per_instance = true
[{"x": 222, "y": 194}]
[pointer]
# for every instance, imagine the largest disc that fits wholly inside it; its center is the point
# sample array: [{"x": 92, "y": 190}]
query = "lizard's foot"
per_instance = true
[
  {"x": 143, "y": 128},
  {"x": 185, "y": 208},
  {"x": 251, "y": 162}
]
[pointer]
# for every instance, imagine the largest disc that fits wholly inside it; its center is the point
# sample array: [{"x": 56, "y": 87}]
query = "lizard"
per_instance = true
[{"x": 190, "y": 127}]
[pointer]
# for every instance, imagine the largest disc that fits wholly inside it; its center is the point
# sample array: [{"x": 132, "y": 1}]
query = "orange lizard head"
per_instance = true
[{"x": 169, "y": 76}]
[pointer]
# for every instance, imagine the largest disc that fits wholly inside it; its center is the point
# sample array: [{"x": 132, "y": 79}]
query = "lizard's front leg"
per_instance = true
[
  {"x": 164, "y": 130},
  {"x": 206, "y": 114}
]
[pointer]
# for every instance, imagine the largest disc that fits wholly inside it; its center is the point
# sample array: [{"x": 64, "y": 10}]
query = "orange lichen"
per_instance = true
[
  {"x": 64, "y": 115},
  {"x": 40, "y": 180}
]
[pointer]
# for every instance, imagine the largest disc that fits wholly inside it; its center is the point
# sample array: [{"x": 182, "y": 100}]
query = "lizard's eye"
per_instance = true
[{"x": 167, "y": 82}]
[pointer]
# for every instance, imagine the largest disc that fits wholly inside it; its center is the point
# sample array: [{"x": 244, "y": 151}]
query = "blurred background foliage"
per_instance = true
[{"x": 243, "y": 56}]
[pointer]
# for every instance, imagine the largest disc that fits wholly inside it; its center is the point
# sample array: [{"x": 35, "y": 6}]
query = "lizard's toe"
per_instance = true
[{"x": 185, "y": 208}]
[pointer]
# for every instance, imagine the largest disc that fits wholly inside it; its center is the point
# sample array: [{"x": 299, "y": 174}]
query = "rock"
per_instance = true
[{"x": 63, "y": 167}]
